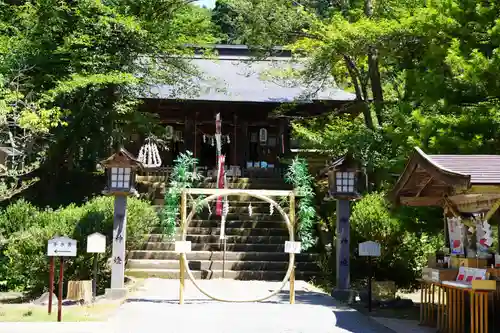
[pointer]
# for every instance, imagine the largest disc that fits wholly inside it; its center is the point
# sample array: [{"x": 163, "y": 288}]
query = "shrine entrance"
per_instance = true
[{"x": 182, "y": 247}]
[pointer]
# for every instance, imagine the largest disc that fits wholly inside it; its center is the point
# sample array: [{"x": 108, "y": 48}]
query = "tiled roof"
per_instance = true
[
  {"x": 483, "y": 169},
  {"x": 243, "y": 79}
]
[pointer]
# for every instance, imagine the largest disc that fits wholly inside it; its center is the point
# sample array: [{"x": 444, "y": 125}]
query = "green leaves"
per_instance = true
[
  {"x": 183, "y": 176},
  {"x": 298, "y": 175}
]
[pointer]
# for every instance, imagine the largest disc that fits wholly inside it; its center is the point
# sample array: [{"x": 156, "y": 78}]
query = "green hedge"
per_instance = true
[
  {"x": 25, "y": 231},
  {"x": 405, "y": 241}
]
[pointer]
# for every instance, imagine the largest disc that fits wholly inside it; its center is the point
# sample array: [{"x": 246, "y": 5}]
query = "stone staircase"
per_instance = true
[{"x": 254, "y": 245}]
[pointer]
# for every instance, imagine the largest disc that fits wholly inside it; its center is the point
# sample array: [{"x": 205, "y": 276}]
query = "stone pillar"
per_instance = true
[
  {"x": 342, "y": 289},
  {"x": 118, "y": 289}
]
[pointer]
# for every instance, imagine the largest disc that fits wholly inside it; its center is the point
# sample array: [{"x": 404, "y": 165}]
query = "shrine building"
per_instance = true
[{"x": 243, "y": 90}]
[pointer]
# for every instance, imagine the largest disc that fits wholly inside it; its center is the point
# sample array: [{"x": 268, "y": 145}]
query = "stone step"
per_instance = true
[
  {"x": 230, "y": 239},
  {"x": 257, "y": 209},
  {"x": 217, "y": 255},
  {"x": 229, "y": 231},
  {"x": 169, "y": 246},
  {"x": 234, "y": 265},
  {"x": 243, "y": 216},
  {"x": 217, "y": 274},
  {"x": 246, "y": 224}
]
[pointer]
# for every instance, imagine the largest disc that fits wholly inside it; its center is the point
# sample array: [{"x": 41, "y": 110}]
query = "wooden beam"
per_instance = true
[
  {"x": 484, "y": 189},
  {"x": 492, "y": 211},
  {"x": 421, "y": 201},
  {"x": 425, "y": 185},
  {"x": 403, "y": 179},
  {"x": 450, "y": 207},
  {"x": 234, "y": 191}
]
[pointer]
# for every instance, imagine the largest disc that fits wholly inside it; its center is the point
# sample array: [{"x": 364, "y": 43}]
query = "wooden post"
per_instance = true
[
  {"x": 59, "y": 301},
  {"x": 234, "y": 142},
  {"x": 51, "y": 283},
  {"x": 181, "y": 261},
  {"x": 370, "y": 284},
  {"x": 94, "y": 280},
  {"x": 181, "y": 277},
  {"x": 292, "y": 255}
]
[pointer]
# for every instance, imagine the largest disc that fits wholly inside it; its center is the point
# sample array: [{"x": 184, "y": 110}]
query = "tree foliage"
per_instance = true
[
  {"x": 82, "y": 64},
  {"x": 423, "y": 73}
]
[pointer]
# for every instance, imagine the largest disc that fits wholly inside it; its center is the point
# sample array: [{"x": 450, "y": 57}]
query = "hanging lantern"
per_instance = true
[
  {"x": 149, "y": 155},
  {"x": 263, "y": 135},
  {"x": 271, "y": 209},
  {"x": 169, "y": 132},
  {"x": 250, "y": 210}
]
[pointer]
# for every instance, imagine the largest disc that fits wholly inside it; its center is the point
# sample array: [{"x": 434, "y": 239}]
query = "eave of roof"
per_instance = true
[
  {"x": 236, "y": 76},
  {"x": 457, "y": 172}
]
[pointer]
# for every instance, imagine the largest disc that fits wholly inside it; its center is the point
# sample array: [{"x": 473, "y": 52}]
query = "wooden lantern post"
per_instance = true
[{"x": 121, "y": 169}]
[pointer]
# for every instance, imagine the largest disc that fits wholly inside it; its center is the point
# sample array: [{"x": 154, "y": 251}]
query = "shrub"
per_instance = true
[
  {"x": 17, "y": 216},
  {"x": 27, "y": 267},
  {"x": 403, "y": 253}
]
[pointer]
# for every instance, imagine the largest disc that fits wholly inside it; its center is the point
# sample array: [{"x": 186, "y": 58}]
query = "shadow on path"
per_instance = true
[{"x": 347, "y": 318}]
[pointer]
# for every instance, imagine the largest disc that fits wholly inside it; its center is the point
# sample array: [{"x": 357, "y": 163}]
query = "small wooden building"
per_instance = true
[
  {"x": 461, "y": 293},
  {"x": 461, "y": 184},
  {"x": 246, "y": 94}
]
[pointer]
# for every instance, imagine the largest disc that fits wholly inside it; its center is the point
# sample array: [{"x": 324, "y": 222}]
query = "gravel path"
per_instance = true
[{"x": 154, "y": 307}]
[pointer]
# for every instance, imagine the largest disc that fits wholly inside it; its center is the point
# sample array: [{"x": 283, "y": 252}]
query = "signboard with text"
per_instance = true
[
  {"x": 61, "y": 247},
  {"x": 369, "y": 249}
]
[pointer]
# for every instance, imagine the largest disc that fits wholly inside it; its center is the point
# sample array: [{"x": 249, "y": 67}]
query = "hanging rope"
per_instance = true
[{"x": 149, "y": 155}]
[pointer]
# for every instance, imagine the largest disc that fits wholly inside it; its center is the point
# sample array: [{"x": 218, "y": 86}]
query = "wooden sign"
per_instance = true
[
  {"x": 96, "y": 243},
  {"x": 292, "y": 247},
  {"x": 369, "y": 249},
  {"x": 61, "y": 247},
  {"x": 182, "y": 246}
]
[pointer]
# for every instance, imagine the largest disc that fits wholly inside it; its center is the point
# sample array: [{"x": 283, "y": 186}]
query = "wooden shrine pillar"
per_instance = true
[
  {"x": 284, "y": 137},
  {"x": 189, "y": 141},
  {"x": 234, "y": 142},
  {"x": 242, "y": 144}
]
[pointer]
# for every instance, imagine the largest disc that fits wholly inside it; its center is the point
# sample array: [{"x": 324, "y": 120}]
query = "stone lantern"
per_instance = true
[
  {"x": 343, "y": 186},
  {"x": 121, "y": 169}
]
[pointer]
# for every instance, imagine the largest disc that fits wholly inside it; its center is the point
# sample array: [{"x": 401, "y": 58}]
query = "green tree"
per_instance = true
[{"x": 89, "y": 58}]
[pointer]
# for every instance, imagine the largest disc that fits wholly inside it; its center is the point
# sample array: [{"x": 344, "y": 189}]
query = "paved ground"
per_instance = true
[
  {"x": 154, "y": 307},
  {"x": 404, "y": 326}
]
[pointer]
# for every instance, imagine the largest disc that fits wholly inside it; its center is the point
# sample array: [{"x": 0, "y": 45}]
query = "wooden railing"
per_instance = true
[
  {"x": 161, "y": 174},
  {"x": 154, "y": 175}
]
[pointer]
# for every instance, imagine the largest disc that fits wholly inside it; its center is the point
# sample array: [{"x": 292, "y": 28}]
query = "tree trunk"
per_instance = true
[
  {"x": 360, "y": 90},
  {"x": 374, "y": 71}
]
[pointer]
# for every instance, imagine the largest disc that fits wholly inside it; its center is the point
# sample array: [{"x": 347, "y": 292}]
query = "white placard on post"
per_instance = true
[
  {"x": 61, "y": 247},
  {"x": 292, "y": 247},
  {"x": 96, "y": 243},
  {"x": 183, "y": 246},
  {"x": 369, "y": 249}
]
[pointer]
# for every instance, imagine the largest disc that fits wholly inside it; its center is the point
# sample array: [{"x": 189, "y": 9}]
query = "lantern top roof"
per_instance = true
[
  {"x": 343, "y": 162},
  {"x": 122, "y": 158}
]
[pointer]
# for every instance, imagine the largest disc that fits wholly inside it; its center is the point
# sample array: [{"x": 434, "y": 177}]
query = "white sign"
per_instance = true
[
  {"x": 183, "y": 246},
  {"x": 61, "y": 247},
  {"x": 96, "y": 243},
  {"x": 292, "y": 247},
  {"x": 369, "y": 249}
]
